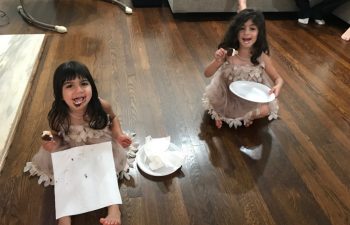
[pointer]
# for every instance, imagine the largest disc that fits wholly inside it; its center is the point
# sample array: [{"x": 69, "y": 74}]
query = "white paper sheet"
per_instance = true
[{"x": 85, "y": 179}]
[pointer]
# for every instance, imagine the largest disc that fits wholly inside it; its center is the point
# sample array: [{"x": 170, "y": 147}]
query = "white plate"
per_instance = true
[
  {"x": 252, "y": 91},
  {"x": 164, "y": 171}
]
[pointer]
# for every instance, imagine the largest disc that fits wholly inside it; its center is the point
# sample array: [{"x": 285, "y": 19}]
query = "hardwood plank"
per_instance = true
[{"x": 149, "y": 65}]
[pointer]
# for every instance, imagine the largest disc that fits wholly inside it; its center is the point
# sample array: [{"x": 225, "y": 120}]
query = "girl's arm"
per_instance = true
[
  {"x": 214, "y": 65},
  {"x": 115, "y": 127},
  {"x": 273, "y": 74}
]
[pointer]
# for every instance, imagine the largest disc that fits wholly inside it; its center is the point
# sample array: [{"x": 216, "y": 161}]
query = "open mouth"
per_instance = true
[
  {"x": 246, "y": 40},
  {"x": 78, "y": 101}
]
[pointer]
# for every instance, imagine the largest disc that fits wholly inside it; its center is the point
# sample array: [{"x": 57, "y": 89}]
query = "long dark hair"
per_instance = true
[
  {"x": 230, "y": 39},
  {"x": 59, "y": 114}
]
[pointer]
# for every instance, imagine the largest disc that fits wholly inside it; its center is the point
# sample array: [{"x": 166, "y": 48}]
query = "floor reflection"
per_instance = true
[{"x": 241, "y": 153}]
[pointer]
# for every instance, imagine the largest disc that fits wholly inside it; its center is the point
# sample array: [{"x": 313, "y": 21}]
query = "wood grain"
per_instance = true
[{"x": 149, "y": 65}]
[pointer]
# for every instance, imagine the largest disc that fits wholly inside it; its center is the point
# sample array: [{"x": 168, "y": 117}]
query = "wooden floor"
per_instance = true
[{"x": 150, "y": 66}]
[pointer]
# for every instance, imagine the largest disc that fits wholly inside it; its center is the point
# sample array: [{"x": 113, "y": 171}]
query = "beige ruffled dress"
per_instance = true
[
  {"x": 78, "y": 135},
  {"x": 222, "y": 104}
]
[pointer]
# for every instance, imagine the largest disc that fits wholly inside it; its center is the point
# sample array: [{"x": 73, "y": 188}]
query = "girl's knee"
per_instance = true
[{"x": 264, "y": 111}]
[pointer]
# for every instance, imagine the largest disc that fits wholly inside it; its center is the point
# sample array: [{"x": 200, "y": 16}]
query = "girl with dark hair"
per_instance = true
[
  {"x": 243, "y": 54},
  {"x": 79, "y": 117}
]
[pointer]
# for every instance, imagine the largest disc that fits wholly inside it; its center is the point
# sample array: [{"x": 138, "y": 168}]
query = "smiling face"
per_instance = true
[
  {"x": 77, "y": 93},
  {"x": 248, "y": 34}
]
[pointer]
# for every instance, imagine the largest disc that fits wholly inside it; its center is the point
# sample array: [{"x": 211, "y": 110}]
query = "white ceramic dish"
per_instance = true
[
  {"x": 252, "y": 91},
  {"x": 164, "y": 171}
]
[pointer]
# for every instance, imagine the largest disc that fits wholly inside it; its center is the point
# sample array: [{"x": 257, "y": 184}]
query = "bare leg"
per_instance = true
[
  {"x": 346, "y": 35},
  {"x": 264, "y": 111},
  {"x": 218, "y": 123},
  {"x": 113, "y": 217},
  {"x": 242, "y": 4},
  {"x": 261, "y": 112},
  {"x": 64, "y": 220}
]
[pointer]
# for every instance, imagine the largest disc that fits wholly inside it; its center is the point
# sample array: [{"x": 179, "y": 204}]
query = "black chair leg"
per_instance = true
[{"x": 60, "y": 29}]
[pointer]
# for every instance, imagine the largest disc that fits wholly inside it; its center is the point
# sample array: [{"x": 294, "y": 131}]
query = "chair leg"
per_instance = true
[
  {"x": 60, "y": 29},
  {"x": 29, "y": 19},
  {"x": 127, "y": 9}
]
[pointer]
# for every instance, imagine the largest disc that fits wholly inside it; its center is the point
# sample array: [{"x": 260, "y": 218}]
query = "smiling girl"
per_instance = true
[
  {"x": 79, "y": 117},
  {"x": 243, "y": 54}
]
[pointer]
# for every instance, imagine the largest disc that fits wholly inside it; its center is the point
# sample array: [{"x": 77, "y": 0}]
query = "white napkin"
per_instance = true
[
  {"x": 157, "y": 154},
  {"x": 85, "y": 179}
]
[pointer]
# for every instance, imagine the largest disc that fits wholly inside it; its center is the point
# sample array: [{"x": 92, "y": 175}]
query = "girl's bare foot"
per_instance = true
[
  {"x": 218, "y": 123},
  {"x": 113, "y": 217},
  {"x": 260, "y": 112},
  {"x": 248, "y": 123},
  {"x": 346, "y": 35},
  {"x": 64, "y": 220}
]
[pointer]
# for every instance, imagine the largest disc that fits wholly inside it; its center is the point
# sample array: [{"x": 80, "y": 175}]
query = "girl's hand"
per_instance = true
[
  {"x": 124, "y": 140},
  {"x": 276, "y": 90},
  {"x": 50, "y": 146},
  {"x": 220, "y": 55}
]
